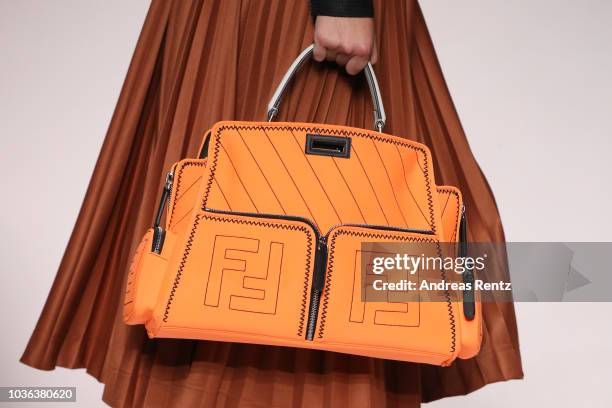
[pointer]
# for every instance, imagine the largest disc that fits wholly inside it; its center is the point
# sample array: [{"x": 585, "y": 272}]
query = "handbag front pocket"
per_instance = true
[
  {"x": 396, "y": 328},
  {"x": 239, "y": 278}
]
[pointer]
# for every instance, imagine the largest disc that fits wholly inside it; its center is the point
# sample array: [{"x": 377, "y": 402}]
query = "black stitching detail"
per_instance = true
[
  {"x": 177, "y": 187},
  {"x": 342, "y": 132},
  {"x": 429, "y": 197},
  {"x": 248, "y": 222},
  {"x": 300, "y": 331},
  {"x": 447, "y": 295},
  {"x": 456, "y": 194},
  {"x": 332, "y": 243},
  {"x": 179, "y": 273},
  {"x": 313, "y": 129},
  {"x": 213, "y": 167}
]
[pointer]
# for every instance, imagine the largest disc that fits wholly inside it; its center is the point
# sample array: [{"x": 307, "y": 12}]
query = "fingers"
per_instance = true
[
  {"x": 342, "y": 59},
  {"x": 356, "y": 64},
  {"x": 374, "y": 56},
  {"x": 354, "y": 58},
  {"x": 331, "y": 54},
  {"x": 350, "y": 42},
  {"x": 319, "y": 52},
  {"x": 358, "y": 56}
]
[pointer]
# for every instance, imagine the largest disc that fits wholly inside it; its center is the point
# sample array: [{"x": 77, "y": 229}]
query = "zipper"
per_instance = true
[
  {"x": 318, "y": 283},
  {"x": 321, "y": 254},
  {"x": 463, "y": 234},
  {"x": 272, "y": 216},
  {"x": 384, "y": 228},
  {"x": 320, "y": 261},
  {"x": 159, "y": 234},
  {"x": 320, "y": 269},
  {"x": 469, "y": 307},
  {"x": 165, "y": 197}
]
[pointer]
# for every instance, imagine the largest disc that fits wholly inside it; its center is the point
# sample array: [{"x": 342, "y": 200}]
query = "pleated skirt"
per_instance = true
[{"x": 198, "y": 62}]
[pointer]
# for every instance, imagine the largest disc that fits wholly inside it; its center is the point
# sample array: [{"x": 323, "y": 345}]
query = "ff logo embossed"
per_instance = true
[
  {"x": 302, "y": 197},
  {"x": 380, "y": 308},
  {"x": 244, "y": 274}
]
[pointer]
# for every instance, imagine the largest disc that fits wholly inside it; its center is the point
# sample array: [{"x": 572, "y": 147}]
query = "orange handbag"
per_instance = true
[{"x": 263, "y": 239}]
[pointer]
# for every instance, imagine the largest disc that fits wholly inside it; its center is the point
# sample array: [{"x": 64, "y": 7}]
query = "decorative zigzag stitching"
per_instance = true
[
  {"x": 258, "y": 223},
  {"x": 179, "y": 273},
  {"x": 213, "y": 167},
  {"x": 177, "y": 188},
  {"x": 308, "y": 255},
  {"x": 447, "y": 296},
  {"x": 328, "y": 272},
  {"x": 306, "y": 285},
  {"x": 332, "y": 244},
  {"x": 337, "y": 132},
  {"x": 452, "y": 321},
  {"x": 453, "y": 192},
  {"x": 248, "y": 222},
  {"x": 429, "y": 197},
  {"x": 343, "y": 133}
]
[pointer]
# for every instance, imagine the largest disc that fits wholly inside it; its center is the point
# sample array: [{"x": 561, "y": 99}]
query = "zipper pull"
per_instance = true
[
  {"x": 318, "y": 282},
  {"x": 463, "y": 234},
  {"x": 469, "y": 308},
  {"x": 169, "y": 178},
  {"x": 164, "y": 198},
  {"x": 159, "y": 234},
  {"x": 320, "y": 265}
]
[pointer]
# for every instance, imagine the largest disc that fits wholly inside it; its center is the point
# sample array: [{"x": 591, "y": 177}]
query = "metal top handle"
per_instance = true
[{"x": 380, "y": 117}]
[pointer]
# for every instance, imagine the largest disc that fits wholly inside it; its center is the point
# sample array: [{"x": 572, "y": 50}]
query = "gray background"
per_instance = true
[{"x": 532, "y": 83}]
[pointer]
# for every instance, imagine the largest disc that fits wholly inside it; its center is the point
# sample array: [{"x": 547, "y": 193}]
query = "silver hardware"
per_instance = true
[{"x": 380, "y": 118}]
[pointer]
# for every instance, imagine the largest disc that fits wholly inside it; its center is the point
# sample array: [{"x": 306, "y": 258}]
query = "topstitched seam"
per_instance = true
[
  {"x": 189, "y": 244},
  {"x": 332, "y": 245},
  {"x": 261, "y": 172},
  {"x": 363, "y": 234},
  {"x": 365, "y": 173},
  {"x": 447, "y": 295},
  {"x": 337, "y": 132},
  {"x": 342, "y": 132},
  {"x": 314, "y": 173},
  {"x": 406, "y": 181},
  {"x": 177, "y": 187},
  {"x": 453, "y": 192},
  {"x": 382, "y": 163},
  {"x": 290, "y": 176},
  {"x": 246, "y": 191},
  {"x": 349, "y": 189}
]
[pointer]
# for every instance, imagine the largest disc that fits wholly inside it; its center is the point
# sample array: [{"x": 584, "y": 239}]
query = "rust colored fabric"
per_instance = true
[{"x": 198, "y": 62}]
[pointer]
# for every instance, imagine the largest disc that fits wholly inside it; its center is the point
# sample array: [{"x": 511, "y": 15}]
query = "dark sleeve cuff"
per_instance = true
[{"x": 342, "y": 8}]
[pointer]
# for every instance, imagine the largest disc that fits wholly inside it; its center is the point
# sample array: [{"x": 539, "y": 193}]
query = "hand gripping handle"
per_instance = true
[{"x": 379, "y": 111}]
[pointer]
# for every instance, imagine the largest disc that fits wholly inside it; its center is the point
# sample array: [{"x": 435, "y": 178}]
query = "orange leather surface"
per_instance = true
[
  {"x": 185, "y": 188},
  {"x": 412, "y": 331},
  {"x": 450, "y": 205},
  {"x": 145, "y": 276},
  {"x": 130, "y": 315},
  {"x": 148, "y": 269},
  {"x": 263, "y": 168},
  {"x": 241, "y": 278},
  {"x": 231, "y": 267}
]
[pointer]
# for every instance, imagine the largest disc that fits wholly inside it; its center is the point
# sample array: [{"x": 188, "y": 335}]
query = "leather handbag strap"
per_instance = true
[{"x": 380, "y": 117}]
